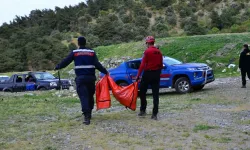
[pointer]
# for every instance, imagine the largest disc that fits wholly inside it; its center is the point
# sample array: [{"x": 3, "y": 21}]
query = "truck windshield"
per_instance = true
[
  {"x": 4, "y": 78},
  {"x": 44, "y": 76},
  {"x": 171, "y": 61}
]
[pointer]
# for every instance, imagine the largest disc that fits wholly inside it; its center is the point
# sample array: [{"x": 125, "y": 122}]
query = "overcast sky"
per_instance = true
[{"x": 10, "y": 8}]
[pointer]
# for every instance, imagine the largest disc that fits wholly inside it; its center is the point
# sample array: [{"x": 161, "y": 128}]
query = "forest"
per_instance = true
[{"x": 40, "y": 40}]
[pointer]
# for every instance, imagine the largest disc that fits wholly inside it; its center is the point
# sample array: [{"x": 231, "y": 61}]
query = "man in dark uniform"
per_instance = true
[
  {"x": 85, "y": 61},
  {"x": 152, "y": 63},
  {"x": 244, "y": 64}
]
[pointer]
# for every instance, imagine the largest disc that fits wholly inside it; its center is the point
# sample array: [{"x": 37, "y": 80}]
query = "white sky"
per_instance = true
[{"x": 10, "y": 8}]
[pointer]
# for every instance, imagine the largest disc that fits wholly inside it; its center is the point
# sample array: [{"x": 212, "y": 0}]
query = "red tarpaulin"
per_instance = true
[
  {"x": 127, "y": 96},
  {"x": 103, "y": 99}
]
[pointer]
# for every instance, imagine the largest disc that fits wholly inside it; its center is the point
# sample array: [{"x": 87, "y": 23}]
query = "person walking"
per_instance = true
[
  {"x": 151, "y": 64},
  {"x": 86, "y": 62},
  {"x": 244, "y": 64}
]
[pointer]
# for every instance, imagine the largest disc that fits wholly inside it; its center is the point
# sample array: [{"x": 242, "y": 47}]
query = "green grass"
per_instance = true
[
  {"x": 186, "y": 49},
  {"x": 203, "y": 127},
  {"x": 218, "y": 139},
  {"x": 246, "y": 122}
]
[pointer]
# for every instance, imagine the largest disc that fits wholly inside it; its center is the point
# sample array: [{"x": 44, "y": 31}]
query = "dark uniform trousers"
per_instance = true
[
  {"x": 151, "y": 78},
  {"x": 85, "y": 87},
  {"x": 245, "y": 73}
]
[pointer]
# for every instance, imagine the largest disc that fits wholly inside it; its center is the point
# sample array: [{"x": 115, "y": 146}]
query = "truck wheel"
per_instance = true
[
  {"x": 122, "y": 83},
  {"x": 42, "y": 89},
  {"x": 197, "y": 88},
  {"x": 6, "y": 90},
  {"x": 182, "y": 85}
]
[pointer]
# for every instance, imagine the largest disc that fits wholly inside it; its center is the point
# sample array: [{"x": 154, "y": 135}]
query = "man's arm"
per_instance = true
[
  {"x": 65, "y": 62},
  {"x": 99, "y": 66},
  {"x": 161, "y": 61},
  {"x": 142, "y": 66},
  {"x": 240, "y": 60}
]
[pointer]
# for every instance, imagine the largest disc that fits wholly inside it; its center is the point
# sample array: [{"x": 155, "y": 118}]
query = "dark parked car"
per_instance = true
[{"x": 33, "y": 81}]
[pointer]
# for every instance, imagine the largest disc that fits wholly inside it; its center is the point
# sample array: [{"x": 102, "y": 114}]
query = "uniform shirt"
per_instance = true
[
  {"x": 152, "y": 60},
  {"x": 244, "y": 62},
  {"x": 85, "y": 60}
]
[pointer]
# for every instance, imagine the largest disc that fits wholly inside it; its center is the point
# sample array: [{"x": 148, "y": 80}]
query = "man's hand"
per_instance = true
[
  {"x": 137, "y": 78},
  {"x": 57, "y": 67}
]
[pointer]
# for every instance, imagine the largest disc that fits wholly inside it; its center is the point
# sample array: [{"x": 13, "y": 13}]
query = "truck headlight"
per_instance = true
[
  {"x": 191, "y": 69},
  {"x": 53, "y": 84}
]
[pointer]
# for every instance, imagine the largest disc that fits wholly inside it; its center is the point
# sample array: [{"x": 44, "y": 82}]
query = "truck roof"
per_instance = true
[
  {"x": 20, "y": 74},
  {"x": 3, "y": 76},
  {"x": 136, "y": 59}
]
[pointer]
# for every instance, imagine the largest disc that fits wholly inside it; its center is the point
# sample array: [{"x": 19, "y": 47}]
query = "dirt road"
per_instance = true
[{"x": 217, "y": 117}]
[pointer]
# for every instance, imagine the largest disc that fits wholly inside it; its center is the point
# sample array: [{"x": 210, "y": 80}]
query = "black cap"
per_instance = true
[
  {"x": 245, "y": 46},
  {"x": 81, "y": 41}
]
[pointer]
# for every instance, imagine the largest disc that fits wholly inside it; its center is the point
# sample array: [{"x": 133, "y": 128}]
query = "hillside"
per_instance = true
[
  {"x": 37, "y": 41},
  {"x": 216, "y": 50}
]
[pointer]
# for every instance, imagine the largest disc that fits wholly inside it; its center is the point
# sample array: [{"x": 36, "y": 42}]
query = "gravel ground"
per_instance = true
[
  {"x": 221, "y": 104},
  {"x": 222, "y": 107}
]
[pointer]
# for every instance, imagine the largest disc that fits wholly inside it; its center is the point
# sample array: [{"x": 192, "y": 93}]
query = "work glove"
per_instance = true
[
  {"x": 137, "y": 79},
  {"x": 57, "y": 67}
]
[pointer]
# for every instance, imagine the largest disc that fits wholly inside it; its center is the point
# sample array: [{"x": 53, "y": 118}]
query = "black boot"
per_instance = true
[
  {"x": 154, "y": 117},
  {"x": 243, "y": 86},
  {"x": 87, "y": 117},
  {"x": 142, "y": 113}
]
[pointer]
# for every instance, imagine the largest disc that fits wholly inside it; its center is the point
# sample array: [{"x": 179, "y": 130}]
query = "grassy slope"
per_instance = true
[{"x": 187, "y": 49}]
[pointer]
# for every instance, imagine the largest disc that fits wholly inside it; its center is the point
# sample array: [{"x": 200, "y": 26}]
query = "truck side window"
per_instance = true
[
  {"x": 134, "y": 64},
  {"x": 29, "y": 78},
  {"x": 19, "y": 79}
]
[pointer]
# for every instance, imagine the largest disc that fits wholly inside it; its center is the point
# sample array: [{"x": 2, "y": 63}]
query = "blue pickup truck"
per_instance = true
[
  {"x": 184, "y": 77},
  {"x": 33, "y": 81}
]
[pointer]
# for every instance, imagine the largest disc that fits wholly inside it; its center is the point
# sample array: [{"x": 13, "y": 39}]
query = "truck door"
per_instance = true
[
  {"x": 19, "y": 83},
  {"x": 132, "y": 69},
  {"x": 165, "y": 76}
]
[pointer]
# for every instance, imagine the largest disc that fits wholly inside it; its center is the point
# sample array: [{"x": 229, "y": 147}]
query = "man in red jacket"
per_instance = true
[{"x": 152, "y": 63}]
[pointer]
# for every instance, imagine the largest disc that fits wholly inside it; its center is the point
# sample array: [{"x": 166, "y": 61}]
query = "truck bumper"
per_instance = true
[
  {"x": 58, "y": 87},
  {"x": 207, "y": 78}
]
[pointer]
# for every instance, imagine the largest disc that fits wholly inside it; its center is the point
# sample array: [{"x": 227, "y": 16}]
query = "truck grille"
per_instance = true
[{"x": 204, "y": 68}]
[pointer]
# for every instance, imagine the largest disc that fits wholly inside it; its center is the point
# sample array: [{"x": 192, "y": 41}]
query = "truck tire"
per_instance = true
[
  {"x": 182, "y": 85},
  {"x": 122, "y": 83},
  {"x": 198, "y": 88},
  {"x": 42, "y": 89},
  {"x": 7, "y": 90}
]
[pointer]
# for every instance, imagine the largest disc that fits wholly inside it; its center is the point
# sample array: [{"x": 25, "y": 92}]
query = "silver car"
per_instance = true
[{"x": 4, "y": 78}]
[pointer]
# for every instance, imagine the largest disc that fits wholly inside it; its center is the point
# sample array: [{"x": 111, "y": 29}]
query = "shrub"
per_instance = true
[
  {"x": 142, "y": 21},
  {"x": 126, "y": 18},
  {"x": 72, "y": 46},
  {"x": 92, "y": 41},
  {"x": 237, "y": 29},
  {"x": 214, "y": 30},
  {"x": 191, "y": 26},
  {"x": 172, "y": 20},
  {"x": 149, "y": 14}
]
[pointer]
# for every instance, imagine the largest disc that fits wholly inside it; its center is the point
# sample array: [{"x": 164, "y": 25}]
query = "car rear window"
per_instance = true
[{"x": 134, "y": 64}]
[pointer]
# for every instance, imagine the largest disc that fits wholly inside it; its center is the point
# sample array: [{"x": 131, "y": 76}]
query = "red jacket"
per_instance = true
[{"x": 152, "y": 60}]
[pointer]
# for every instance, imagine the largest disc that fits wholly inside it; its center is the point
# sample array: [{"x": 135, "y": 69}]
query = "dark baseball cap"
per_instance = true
[{"x": 81, "y": 40}]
